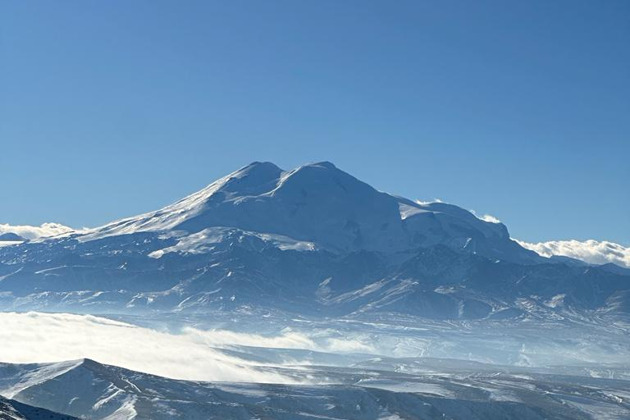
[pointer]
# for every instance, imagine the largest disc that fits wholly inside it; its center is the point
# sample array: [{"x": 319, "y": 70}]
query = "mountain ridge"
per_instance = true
[{"x": 370, "y": 389}]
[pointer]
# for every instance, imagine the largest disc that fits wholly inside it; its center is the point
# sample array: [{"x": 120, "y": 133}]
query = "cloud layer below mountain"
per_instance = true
[
  {"x": 591, "y": 251},
  {"x": 44, "y": 337},
  {"x": 35, "y": 232}
]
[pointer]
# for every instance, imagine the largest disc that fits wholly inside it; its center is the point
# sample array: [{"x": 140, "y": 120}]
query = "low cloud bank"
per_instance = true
[
  {"x": 43, "y": 337},
  {"x": 327, "y": 341},
  {"x": 193, "y": 354},
  {"x": 591, "y": 251},
  {"x": 35, "y": 232}
]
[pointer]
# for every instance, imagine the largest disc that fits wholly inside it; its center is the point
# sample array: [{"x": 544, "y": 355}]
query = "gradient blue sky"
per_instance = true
[{"x": 516, "y": 109}]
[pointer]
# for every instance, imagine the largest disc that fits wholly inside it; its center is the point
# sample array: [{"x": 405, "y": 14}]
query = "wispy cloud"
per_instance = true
[
  {"x": 223, "y": 338},
  {"x": 423, "y": 203},
  {"x": 591, "y": 251}
]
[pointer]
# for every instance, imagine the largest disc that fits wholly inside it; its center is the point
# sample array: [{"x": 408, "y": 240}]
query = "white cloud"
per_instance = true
[
  {"x": 35, "y": 232},
  {"x": 489, "y": 218},
  {"x": 424, "y": 203},
  {"x": 44, "y": 337},
  {"x": 323, "y": 340},
  {"x": 591, "y": 251},
  {"x": 348, "y": 346},
  {"x": 221, "y": 338},
  {"x": 486, "y": 217},
  {"x": 193, "y": 354}
]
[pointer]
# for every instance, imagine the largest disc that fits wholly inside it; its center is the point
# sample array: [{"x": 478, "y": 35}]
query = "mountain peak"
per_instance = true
[
  {"x": 253, "y": 179},
  {"x": 11, "y": 237},
  {"x": 324, "y": 164},
  {"x": 89, "y": 363},
  {"x": 258, "y": 166},
  {"x": 321, "y": 204}
]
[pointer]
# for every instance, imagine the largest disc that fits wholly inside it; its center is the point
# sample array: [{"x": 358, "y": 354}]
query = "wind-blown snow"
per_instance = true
[
  {"x": 36, "y": 232},
  {"x": 591, "y": 251}
]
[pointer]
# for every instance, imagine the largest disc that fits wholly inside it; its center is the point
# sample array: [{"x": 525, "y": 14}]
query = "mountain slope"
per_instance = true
[{"x": 14, "y": 410}]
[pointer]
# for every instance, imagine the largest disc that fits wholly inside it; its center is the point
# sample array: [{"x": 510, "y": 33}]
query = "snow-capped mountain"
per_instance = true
[
  {"x": 308, "y": 277},
  {"x": 313, "y": 240},
  {"x": 324, "y": 207}
]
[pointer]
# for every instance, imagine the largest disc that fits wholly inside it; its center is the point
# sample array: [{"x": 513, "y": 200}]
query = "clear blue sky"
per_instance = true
[{"x": 519, "y": 109}]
